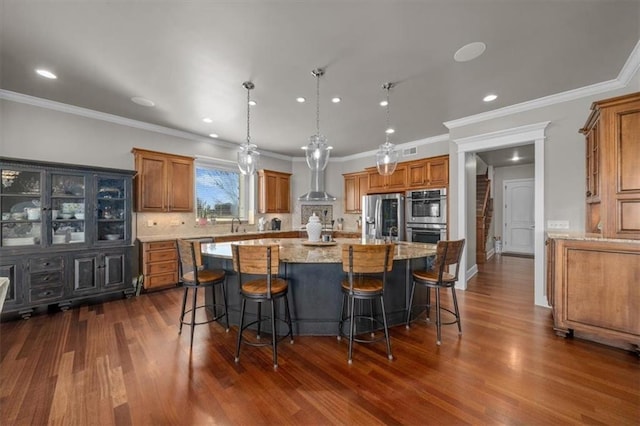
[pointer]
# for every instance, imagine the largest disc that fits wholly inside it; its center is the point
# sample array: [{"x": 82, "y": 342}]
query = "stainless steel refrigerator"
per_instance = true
[{"x": 383, "y": 216}]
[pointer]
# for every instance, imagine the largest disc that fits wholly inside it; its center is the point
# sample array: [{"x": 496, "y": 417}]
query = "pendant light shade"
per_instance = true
[
  {"x": 317, "y": 152},
  {"x": 248, "y": 155},
  {"x": 387, "y": 155}
]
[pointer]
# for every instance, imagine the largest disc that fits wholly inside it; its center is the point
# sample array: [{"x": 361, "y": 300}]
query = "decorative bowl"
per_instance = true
[
  {"x": 112, "y": 237},
  {"x": 66, "y": 215}
]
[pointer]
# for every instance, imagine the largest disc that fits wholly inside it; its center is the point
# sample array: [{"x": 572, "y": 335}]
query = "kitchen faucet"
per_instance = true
[{"x": 239, "y": 223}]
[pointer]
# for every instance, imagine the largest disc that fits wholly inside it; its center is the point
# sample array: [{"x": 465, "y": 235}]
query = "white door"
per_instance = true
[{"x": 518, "y": 216}]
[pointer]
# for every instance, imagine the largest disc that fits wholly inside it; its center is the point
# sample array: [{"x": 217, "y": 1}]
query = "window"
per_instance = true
[{"x": 221, "y": 191}]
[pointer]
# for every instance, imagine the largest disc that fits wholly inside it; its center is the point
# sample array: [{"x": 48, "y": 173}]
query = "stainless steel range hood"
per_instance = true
[{"x": 317, "y": 192}]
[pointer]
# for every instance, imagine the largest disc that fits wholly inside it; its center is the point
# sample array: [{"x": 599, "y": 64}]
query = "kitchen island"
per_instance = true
[{"x": 314, "y": 274}]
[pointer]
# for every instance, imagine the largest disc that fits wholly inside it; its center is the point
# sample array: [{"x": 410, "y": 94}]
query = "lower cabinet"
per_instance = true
[
  {"x": 97, "y": 272},
  {"x": 159, "y": 260},
  {"x": 61, "y": 279},
  {"x": 594, "y": 290}
]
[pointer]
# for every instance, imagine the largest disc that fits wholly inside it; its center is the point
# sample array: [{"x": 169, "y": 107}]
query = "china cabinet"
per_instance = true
[
  {"x": 53, "y": 214},
  {"x": 163, "y": 182}
]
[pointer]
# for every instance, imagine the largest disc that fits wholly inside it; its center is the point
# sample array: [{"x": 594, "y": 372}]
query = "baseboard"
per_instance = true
[
  {"x": 490, "y": 253},
  {"x": 473, "y": 271}
]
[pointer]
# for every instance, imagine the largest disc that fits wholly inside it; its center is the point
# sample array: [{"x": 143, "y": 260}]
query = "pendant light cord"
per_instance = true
[
  {"x": 248, "y": 116},
  {"x": 318, "y": 73},
  {"x": 386, "y": 131}
]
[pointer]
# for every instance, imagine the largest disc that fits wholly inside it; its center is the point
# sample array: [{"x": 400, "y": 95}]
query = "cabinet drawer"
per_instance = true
[
  {"x": 158, "y": 281},
  {"x": 45, "y": 263},
  {"x": 161, "y": 245},
  {"x": 162, "y": 256},
  {"x": 162, "y": 268},
  {"x": 45, "y": 278},
  {"x": 41, "y": 294}
]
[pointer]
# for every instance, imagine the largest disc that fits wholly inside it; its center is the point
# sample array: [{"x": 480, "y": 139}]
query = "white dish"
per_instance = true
[
  {"x": 112, "y": 237},
  {"x": 66, "y": 215},
  {"x": 21, "y": 241},
  {"x": 77, "y": 236},
  {"x": 80, "y": 216}
]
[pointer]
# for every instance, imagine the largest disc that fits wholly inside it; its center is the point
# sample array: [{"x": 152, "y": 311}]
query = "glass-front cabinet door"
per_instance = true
[
  {"x": 68, "y": 202},
  {"x": 112, "y": 209},
  {"x": 21, "y": 201}
]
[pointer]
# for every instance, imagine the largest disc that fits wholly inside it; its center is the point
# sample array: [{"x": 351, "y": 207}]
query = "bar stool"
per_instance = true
[
  {"x": 265, "y": 261},
  {"x": 447, "y": 253},
  {"x": 193, "y": 275},
  {"x": 359, "y": 262}
]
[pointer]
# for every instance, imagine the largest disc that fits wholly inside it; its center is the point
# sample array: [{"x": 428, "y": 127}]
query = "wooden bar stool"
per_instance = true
[
  {"x": 265, "y": 261},
  {"x": 448, "y": 253},
  {"x": 193, "y": 275},
  {"x": 363, "y": 264}
]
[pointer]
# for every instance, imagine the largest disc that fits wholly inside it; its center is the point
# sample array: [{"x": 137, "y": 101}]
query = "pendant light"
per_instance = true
[
  {"x": 248, "y": 155},
  {"x": 317, "y": 151},
  {"x": 387, "y": 155}
]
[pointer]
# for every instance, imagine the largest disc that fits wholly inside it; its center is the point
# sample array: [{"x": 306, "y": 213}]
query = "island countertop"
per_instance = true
[{"x": 292, "y": 250}]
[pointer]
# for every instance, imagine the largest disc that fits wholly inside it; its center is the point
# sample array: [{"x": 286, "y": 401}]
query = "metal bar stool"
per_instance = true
[
  {"x": 193, "y": 275},
  {"x": 360, "y": 261},
  {"x": 265, "y": 261},
  {"x": 447, "y": 253}
]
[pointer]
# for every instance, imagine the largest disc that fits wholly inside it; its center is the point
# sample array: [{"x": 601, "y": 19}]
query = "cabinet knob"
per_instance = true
[{"x": 588, "y": 193}]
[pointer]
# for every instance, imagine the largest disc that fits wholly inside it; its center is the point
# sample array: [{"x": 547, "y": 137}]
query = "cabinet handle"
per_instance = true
[{"x": 588, "y": 193}]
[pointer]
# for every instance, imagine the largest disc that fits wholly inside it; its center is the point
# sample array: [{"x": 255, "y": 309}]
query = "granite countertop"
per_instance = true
[
  {"x": 585, "y": 236},
  {"x": 257, "y": 234},
  {"x": 152, "y": 238},
  {"x": 292, "y": 250}
]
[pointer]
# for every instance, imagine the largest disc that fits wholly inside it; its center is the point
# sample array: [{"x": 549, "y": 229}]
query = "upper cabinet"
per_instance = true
[
  {"x": 396, "y": 182},
  {"x": 428, "y": 173},
  {"x": 612, "y": 134},
  {"x": 417, "y": 174},
  {"x": 355, "y": 186},
  {"x": 163, "y": 182},
  {"x": 274, "y": 192}
]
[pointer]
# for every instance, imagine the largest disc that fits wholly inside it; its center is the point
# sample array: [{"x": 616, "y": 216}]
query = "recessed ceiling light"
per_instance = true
[
  {"x": 213, "y": 135},
  {"x": 300, "y": 99},
  {"x": 143, "y": 101},
  {"x": 253, "y": 103},
  {"x": 470, "y": 51},
  {"x": 46, "y": 74},
  {"x": 384, "y": 103},
  {"x": 207, "y": 120},
  {"x": 490, "y": 97},
  {"x": 390, "y": 130},
  {"x": 336, "y": 100}
]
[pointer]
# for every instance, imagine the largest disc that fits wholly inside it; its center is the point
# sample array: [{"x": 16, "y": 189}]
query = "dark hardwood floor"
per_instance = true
[{"x": 123, "y": 362}]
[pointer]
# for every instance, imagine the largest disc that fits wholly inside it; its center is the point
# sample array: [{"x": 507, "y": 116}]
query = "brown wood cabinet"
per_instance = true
[
  {"x": 428, "y": 173},
  {"x": 594, "y": 290},
  {"x": 355, "y": 186},
  {"x": 274, "y": 192},
  {"x": 159, "y": 264},
  {"x": 163, "y": 182},
  {"x": 396, "y": 182},
  {"x": 612, "y": 134}
]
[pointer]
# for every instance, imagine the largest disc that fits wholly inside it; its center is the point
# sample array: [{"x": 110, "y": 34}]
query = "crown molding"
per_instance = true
[
  {"x": 123, "y": 121},
  {"x": 627, "y": 72}
]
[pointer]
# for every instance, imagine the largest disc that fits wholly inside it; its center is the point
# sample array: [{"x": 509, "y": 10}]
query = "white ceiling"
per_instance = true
[{"x": 191, "y": 58}]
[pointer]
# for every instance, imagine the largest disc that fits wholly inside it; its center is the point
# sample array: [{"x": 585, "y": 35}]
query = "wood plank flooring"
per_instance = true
[{"x": 123, "y": 362}]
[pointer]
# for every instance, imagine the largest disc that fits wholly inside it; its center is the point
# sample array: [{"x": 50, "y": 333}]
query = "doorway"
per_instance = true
[{"x": 518, "y": 216}]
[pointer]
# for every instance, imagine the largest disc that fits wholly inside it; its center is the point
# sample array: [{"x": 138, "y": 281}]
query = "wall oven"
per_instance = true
[
  {"x": 426, "y": 206},
  {"x": 426, "y": 233}
]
